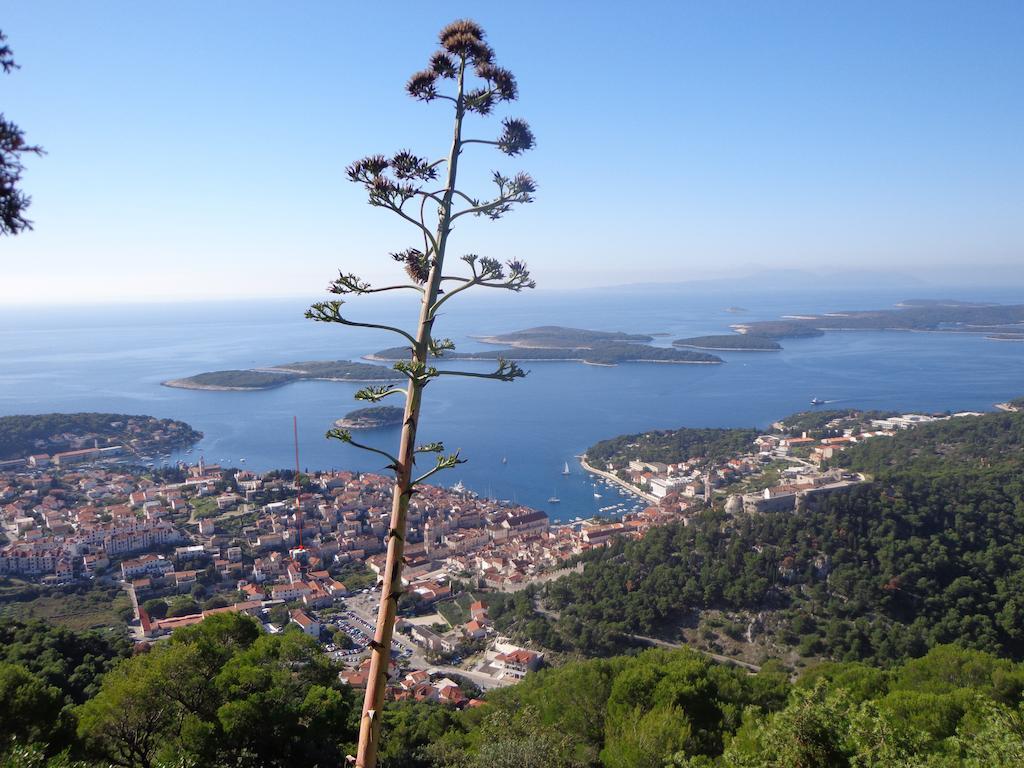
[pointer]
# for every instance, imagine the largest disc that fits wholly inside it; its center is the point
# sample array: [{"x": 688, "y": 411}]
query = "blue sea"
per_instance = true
[{"x": 516, "y": 436}]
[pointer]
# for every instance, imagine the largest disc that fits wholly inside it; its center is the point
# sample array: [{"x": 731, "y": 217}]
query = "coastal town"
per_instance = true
[{"x": 192, "y": 541}]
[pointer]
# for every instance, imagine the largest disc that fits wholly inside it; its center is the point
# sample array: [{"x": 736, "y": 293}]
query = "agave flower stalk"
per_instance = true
[{"x": 463, "y": 74}]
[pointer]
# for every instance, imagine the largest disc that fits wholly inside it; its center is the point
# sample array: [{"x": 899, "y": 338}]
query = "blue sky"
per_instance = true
[{"x": 196, "y": 149}]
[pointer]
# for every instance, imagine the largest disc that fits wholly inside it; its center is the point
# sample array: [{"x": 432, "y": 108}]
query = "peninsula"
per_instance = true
[
  {"x": 945, "y": 316},
  {"x": 89, "y": 436},
  {"x": 267, "y": 378},
  {"x": 374, "y": 417}
]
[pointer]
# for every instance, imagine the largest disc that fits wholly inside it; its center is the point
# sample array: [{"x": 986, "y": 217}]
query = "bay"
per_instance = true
[{"x": 114, "y": 358}]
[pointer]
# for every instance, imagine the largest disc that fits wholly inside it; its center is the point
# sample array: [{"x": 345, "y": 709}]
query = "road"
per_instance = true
[
  {"x": 484, "y": 681},
  {"x": 716, "y": 656},
  {"x": 364, "y": 607},
  {"x": 671, "y": 646}
]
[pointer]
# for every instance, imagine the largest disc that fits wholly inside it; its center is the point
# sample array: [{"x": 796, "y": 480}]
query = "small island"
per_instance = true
[
  {"x": 255, "y": 379},
  {"x": 90, "y": 436},
  {"x": 560, "y": 337},
  {"x": 730, "y": 342},
  {"x": 375, "y": 417}
]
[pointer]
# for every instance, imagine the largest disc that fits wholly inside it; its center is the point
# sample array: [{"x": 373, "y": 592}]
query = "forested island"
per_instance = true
[
  {"x": 554, "y": 343},
  {"x": 279, "y": 375},
  {"x": 560, "y": 337},
  {"x": 373, "y": 417},
  {"x": 610, "y": 353},
  {"x": 730, "y": 342},
  {"x": 50, "y": 433}
]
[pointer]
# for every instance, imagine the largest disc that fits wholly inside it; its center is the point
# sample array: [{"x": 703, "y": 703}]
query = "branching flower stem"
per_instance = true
[
  {"x": 373, "y": 704},
  {"x": 391, "y": 183}
]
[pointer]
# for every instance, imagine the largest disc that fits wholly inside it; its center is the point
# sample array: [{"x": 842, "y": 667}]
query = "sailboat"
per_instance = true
[
  {"x": 554, "y": 499},
  {"x": 565, "y": 469}
]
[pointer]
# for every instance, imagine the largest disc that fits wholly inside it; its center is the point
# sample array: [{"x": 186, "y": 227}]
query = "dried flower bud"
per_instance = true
[
  {"x": 501, "y": 80},
  {"x": 516, "y": 137},
  {"x": 523, "y": 184},
  {"x": 466, "y": 40},
  {"x": 417, "y": 265},
  {"x": 442, "y": 65},
  {"x": 461, "y": 27},
  {"x": 479, "y": 100},
  {"x": 421, "y": 85},
  {"x": 367, "y": 168},
  {"x": 406, "y": 165},
  {"x": 491, "y": 268}
]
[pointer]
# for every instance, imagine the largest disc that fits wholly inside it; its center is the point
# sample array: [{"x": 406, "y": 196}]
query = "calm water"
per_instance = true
[{"x": 113, "y": 359}]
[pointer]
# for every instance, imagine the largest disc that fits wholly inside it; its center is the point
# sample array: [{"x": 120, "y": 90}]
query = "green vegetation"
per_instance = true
[
  {"x": 559, "y": 337},
  {"x": 671, "y": 446},
  {"x": 221, "y": 693},
  {"x": 268, "y": 378},
  {"x": 929, "y": 553},
  {"x": 356, "y": 576},
  {"x": 372, "y": 417},
  {"x": 456, "y": 611},
  {"x": 14, "y": 148},
  {"x": 733, "y": 341},
  {"x": 780, "y": 329},
  {"x": 69, "y": 660},
  {"x": 78, "y": 607},
  {"x": 824, "y": 423},
  {"x": 204, "y": 507},
  {"x": 953, "y": 708},
  {"x": 45, "y": 433}
]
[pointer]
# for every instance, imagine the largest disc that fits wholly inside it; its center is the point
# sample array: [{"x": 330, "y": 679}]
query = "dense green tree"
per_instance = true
[
  {"x": 68, "y": 660},
  {"x": 409, "y": 729},
  {"x": 824, "y": 729},
  {"x": 508, "y": 740},
  {"x": 182, "y": 605},
  {"x": 30, "y": 710},
  {"x": 156, "y": 608},
  {"x": 221, "y": 693}
]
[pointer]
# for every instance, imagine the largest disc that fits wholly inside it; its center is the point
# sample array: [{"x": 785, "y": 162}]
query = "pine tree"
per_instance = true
[{"x": 13, "y": 202}]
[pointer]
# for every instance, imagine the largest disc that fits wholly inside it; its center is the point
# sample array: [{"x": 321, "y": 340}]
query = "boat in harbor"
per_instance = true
[
  {"x": 597, "y": 495},
  {"x": 565, "y": 469},
  {"x": 817, "y": 401},
  {"x": 554, "y": 500}
]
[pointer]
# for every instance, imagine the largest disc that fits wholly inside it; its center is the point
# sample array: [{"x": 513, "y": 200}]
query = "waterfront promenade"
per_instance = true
[{"x": 618, "y": 481}]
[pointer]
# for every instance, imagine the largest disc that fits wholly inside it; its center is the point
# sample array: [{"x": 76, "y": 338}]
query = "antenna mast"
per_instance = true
[{"x": 298, "y": 486}]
